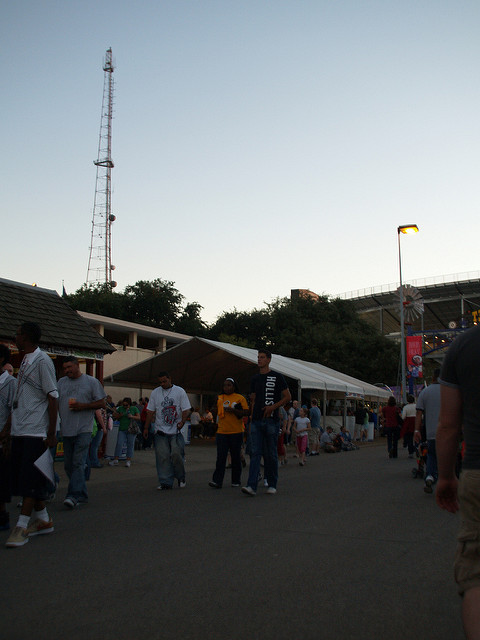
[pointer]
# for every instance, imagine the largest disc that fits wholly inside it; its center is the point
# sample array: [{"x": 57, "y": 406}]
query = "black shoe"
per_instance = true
[{"x": 214, "y": 485}]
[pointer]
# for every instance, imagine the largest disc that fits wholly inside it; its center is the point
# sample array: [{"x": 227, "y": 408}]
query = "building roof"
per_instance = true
[
  {"x": 141, "y": 329},
  {"x": 63, "y": 330},
  {"x": 200, "y": 366}
]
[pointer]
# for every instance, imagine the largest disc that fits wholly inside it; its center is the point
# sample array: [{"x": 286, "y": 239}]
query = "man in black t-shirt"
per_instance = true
[
  {"x": 268, "y": 392},
  {"x": 460, "y": 408}
]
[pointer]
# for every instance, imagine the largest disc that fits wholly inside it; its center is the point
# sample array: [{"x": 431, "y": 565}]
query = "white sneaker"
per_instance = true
[
  {"x": 265, "y": 483},
  {"x": 249, "y": 491},
  {"x": 127, "y": 463},
  {"x": 271, "y": 490},
  {"x": 182, "y": 484},
  {"x": 113, "y": 463}
]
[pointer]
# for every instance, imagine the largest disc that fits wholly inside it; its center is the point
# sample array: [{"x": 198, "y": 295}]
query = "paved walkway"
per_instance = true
[{"x": 350, "y": 547}]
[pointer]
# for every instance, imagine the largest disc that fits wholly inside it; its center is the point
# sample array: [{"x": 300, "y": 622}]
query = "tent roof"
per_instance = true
[{"x": 200, "y": 366}]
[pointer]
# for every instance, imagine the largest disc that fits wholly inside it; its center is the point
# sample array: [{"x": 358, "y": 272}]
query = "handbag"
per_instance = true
[{"x": 133, "y": 428}]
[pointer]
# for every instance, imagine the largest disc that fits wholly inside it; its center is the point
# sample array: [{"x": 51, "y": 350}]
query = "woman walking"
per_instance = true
[
  {"x": 129, "y": 417},
  {"x": 231, "y": 407},
  {"x": 391, "y": 426}
]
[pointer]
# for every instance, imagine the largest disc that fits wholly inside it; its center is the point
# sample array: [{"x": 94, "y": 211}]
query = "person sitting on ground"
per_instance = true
[
  {"x": 346, "y": 438},
  {"x": 328, "y": 441}
]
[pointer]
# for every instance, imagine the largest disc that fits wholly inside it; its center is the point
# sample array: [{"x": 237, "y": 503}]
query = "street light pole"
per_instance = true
[{"x": 408, "y": 228}]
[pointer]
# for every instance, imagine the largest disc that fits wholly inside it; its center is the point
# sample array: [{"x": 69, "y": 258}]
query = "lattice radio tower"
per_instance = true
[{"x": 100, "y": 265}]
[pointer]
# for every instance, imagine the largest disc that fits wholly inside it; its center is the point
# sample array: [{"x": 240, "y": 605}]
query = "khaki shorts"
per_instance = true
[
  {"x": 467, "y": 557},
  {"x": 313, "y": 436}
]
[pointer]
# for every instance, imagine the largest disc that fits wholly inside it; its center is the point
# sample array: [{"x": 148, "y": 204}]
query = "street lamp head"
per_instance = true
[{"x": 408, "y": 228}]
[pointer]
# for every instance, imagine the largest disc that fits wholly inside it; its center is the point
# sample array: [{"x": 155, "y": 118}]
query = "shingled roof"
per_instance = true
[{"x": 62, "y": 327}]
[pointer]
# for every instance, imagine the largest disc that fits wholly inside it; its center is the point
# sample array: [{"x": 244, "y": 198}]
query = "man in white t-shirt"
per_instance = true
[
  {"x": 34, "y": 421},
  {"x": 171, "y": 407}
]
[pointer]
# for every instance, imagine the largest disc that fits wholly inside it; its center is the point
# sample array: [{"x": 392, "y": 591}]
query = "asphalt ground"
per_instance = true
[{"x": 349, "y": 547}]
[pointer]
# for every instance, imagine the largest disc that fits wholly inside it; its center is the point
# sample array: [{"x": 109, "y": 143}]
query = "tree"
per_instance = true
[
  {"x": 190, "y": 321},
  {"x": 155, "y": 303},
  {"x": 326, "y": 331},
  {"x": 97, "y": 298}
]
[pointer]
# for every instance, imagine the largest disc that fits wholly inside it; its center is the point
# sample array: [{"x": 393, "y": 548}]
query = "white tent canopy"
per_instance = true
[{"x": 200, "y": 366}]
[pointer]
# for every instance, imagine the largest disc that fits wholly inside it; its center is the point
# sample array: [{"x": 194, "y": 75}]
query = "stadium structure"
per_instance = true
[{"x": 436, "y": 308}]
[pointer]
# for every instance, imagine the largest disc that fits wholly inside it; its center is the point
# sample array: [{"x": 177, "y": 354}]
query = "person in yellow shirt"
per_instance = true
[{"x": 231, "y": 408}]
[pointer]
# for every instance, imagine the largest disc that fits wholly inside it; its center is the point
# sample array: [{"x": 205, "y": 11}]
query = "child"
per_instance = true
[{"x": 301, "y": 427}]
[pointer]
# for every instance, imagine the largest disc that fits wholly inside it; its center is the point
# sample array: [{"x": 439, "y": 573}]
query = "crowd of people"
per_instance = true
[
  {"x": 33, "y": 404},
  {"x": 415, "y": 422},
  {"x": 36, "y": 409}
]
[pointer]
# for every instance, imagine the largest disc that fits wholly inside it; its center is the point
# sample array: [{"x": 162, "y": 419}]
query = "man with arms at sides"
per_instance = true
[
  {"x": 460, "y": 406},
  {"x": 316, "y": 432},
  {"x": 171, "y": 407},
  {"x": 80, "y": 395},
  {"x": 34, "y": 421},
  {"x": 268, "y": 392}
]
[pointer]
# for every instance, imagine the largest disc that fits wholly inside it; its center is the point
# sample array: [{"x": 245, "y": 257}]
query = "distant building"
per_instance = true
[
  {"x": 133, "y": 343},
  {"x": 295, "y": 294}
]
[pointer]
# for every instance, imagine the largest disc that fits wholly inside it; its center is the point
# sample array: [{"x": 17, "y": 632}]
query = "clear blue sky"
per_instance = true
[{"x": 259, "y": 146}]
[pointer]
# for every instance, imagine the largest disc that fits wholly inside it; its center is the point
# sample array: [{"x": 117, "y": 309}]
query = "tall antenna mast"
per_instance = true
[{"x": 100, "y": 265}]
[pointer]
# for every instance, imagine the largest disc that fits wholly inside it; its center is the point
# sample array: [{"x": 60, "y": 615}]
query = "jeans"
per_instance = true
[
  {"x": 169, "y": 457},
  {"x": 75, "y": 451},
  {"x": 431, "y": 467},
  {"x": 130, "y": 439},
  {"x": 226, "y": 441},
  {"x": 392, "y": 434},
  {"x": 94, "y": 444},
  {"x": 263, "y": 441}
]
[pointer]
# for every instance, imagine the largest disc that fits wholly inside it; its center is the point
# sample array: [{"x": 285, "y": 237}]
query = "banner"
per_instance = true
[{"x": 414, "y": 356}]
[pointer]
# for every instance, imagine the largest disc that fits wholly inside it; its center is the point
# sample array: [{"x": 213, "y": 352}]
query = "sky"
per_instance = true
[{"x": 259, "y": 146}]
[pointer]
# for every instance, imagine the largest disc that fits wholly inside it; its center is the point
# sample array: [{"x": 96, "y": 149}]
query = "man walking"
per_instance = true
[
  {"x": 428, "y": 406},
  {"x": 460, "y": 407},
  {"x": 34, "y": 419},
  {"x": 268, "y": 392},
  {"x": 80, "y": 395},
  {"x": 171, "y": 407}
]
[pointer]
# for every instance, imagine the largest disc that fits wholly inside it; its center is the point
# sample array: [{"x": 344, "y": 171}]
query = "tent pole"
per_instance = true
[{"x": 324, "y": 409}]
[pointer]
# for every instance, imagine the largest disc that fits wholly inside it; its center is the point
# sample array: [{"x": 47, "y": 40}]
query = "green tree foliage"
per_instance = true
[
  {"x": 326, "y": 331},
  {"x": 156, "y": 303},
  {"x": 190, "y": 321},
  {"x": 97, "y": 298}
]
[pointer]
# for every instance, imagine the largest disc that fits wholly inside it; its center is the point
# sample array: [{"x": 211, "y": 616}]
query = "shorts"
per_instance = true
[
  {"x": 5, "y": 493},
  {"x": 467, "y": 557},
  {"x": 313, "y": 436},
  {"x": 302, "y": 443},
  {"x": 27, "y": 481}
]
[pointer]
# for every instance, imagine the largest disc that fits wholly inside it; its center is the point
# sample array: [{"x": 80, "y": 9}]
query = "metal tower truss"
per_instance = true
[{"x": 100, "y": 265}]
